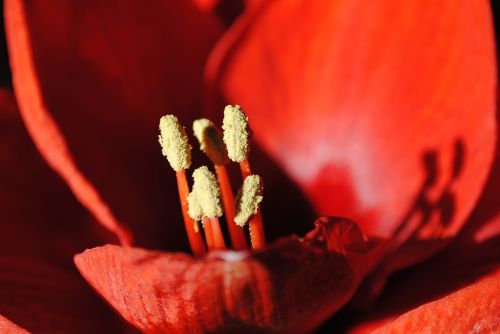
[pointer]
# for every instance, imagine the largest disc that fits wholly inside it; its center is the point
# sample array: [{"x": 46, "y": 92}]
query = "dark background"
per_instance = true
[{"x": 5, "y": 77}]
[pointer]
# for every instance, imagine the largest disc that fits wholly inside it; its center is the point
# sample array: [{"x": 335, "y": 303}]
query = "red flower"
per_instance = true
[{"x": 383, "y": 112}]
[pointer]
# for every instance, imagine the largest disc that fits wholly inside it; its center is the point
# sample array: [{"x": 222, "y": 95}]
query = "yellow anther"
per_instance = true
[
  {"x": 235, "y": 126},
  {"x": 211, "y": 142},
  {"x": 204, "y": 200},
  {"x": 248, "y": 199},
  {"x": 194, "y": 210},
  {"x": 174, "y": 143}
]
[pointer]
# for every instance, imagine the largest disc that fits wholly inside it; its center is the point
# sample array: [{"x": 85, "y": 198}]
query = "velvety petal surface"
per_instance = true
[
  {"x": 471, "y": 257},
  {"x": 41, "y": 227},
  {"x": 291, "y": 286},
  {"x": 476, "y": 246},
  {"x": 92, "y": 80},
  {"x": 38, "y": 214},
  {"x": 443, "y": 275},
  {"x": 475, "y": 309},
  {"x": 46, "y": 298},
  {"x": 382, "y": 111},
  {"x": 9, "y": 327}
]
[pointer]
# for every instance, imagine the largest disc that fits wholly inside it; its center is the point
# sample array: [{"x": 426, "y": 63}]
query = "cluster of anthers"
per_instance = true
[{"x": 211, "y": 193}]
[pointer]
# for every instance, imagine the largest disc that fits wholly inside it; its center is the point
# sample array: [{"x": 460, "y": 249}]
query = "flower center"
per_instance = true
[{"x": 212, "y": 195}]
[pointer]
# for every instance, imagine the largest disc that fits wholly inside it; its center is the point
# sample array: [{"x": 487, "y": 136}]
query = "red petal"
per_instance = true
[
  {"x": 290, "y": 286},
  {"x": 381, "y": 111},
  {"x": 471, "y": 256},
  {"x": 92, "y": 81},
  {"x": 418, "y": 286},
  {"x": 48, "y": 298},
  {"x": 485, "y": 221},
  {"x": 9, "y": 327},
  {"x": 41, "y": 227},
  {"x": 226, "y": 10},
  {"x": 475, "y": 309},
  {"x": 460, "y": 264},
  {"x": 206, "y": 5},
  {"x": 38, "y": 214},
  {"x": 477, "y": 243}
]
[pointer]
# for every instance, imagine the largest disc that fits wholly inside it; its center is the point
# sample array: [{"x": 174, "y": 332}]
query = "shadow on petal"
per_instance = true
[{"x": 389, "y": 104}]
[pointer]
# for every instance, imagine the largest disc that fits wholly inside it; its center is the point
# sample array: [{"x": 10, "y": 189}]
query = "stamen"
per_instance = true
[
  {"x": 247, "y": 209},
  {"x": 245, "y": 169},
  {"x": 235, "y": 126},
  {"x": 248, "y": 199},
  {"x": 236, "y": 134},
  {"x": 174, "y": 143},
  {"x": 195, "y": 240},
  {"x": 176, "y": 148},
  {"x": 194, "y": 210},
  {"x": 212, "y": 144},
  {"x": 217, "y": 234},
  {"x": 236, "y": 233},
  {"x": 204, "y": 202},
  {"x": 207, "y": 193},
  {"x": 209, "y": 235}
]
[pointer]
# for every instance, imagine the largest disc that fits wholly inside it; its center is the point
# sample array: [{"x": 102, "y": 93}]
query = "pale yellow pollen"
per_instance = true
[
  {"x": 248, "y": 199},
  {"x": 211, "y": 142},
  {"x": 194, "y": 210},
  {"x": 204, "y": 200},
  {"x": 235, "y": 126},
  {"x": 174, "y": 143}
]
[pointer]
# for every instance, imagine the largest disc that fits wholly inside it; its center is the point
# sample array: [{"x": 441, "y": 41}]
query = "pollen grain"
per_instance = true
[
  {"x": 174, "y": 143},
  {"x": 236, "y": 133}
]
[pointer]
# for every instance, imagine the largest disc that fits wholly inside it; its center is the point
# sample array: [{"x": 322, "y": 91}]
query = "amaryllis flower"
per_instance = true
[{"x": 382, "y": 112}]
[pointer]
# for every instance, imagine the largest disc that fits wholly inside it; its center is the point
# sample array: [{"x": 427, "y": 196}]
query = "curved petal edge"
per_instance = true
[{"x": 293, "y": 285}]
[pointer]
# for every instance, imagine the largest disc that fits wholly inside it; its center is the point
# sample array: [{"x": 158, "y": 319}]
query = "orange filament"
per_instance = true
[
  {"x": 256, "y": 227},
  {"x": 217, "y": 233},
  {"x": 195, "y": 240},
  {"x": 245, "y": 168},
  {"x": 209, "y": 235},
  {"x": 205, "y": 200},
  {"x": 213, "y": 234},
  {"x": 236, "y": 233},
  {"x": 257, "y": 232}
]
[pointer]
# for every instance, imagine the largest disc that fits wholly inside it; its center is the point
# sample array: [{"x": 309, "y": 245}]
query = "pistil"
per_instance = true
[
  {"x": 212, "y": 144},
  {"x": 176, "y": 148}
]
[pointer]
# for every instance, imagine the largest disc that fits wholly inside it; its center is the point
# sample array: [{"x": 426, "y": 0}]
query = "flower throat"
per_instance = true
[{"x": 212, "y": 195}]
